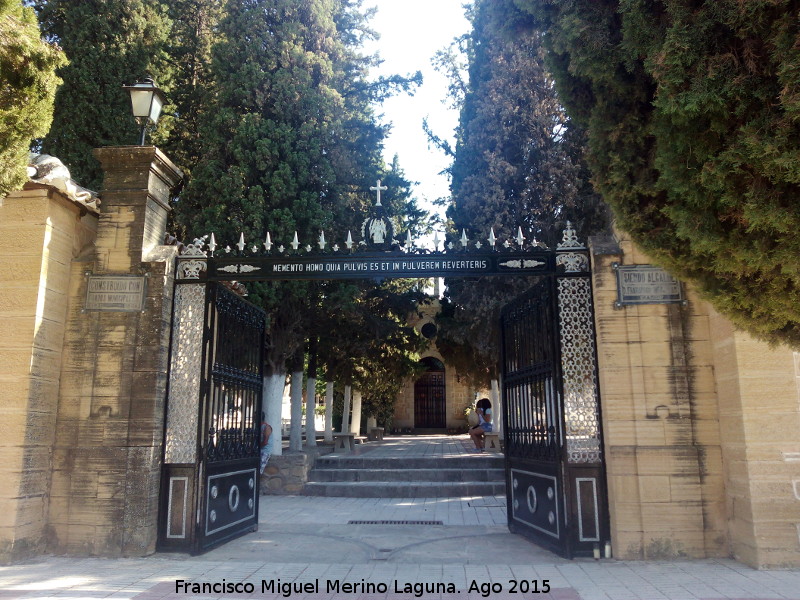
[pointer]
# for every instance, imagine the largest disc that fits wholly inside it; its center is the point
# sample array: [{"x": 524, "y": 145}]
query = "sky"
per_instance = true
[{"x": 411, "y": 32}]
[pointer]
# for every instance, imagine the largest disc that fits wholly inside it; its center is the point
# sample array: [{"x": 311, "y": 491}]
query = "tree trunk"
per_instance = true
[
  {"x": 355, "y": 425},
  {"x": 346, "y": 410},
  {"x": 311, "y": 393},
  {"x": 328, "y": 411},
  {"x": 273, "y": 405},
  {"x": 497, "y": 408},
  {"x": 296, "y": 395},
  {"x": 296, "y": 425}
]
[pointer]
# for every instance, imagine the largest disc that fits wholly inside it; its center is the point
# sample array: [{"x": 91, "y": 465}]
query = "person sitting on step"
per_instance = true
[{"x": 483, "y": 408}]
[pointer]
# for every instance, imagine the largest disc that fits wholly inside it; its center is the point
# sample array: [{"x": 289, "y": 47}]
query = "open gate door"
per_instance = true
[
  {"x": 210, "y": 477},
  {"x": 555, "y": 474}
]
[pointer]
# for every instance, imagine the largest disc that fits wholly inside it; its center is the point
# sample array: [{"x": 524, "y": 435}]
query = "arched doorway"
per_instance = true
[{"x": 429, "y": 396}]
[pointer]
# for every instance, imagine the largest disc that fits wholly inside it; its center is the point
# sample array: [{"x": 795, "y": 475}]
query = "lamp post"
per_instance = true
[{"x": 146, "y": 100}]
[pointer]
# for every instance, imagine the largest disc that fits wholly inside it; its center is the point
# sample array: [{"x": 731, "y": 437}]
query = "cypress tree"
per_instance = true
[
  {"x": 517, "y": 165},
  {"x": 27, "y": 73},
  {"x": 109, "y": 43},
  {"x": 193, "y": 34},
  {"x": 691, "y": 110}
]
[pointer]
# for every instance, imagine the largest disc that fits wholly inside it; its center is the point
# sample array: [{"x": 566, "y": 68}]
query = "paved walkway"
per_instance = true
[{"x": 307, "y": 547}]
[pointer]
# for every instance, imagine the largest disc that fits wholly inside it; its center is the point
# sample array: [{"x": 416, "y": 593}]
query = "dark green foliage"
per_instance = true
[
  {"x": 194, "y": 31},
  {"x": 290, "y": 144},
  {"x": 692, "y": 113},
  {"x": 27, "y": 86},
  {"x": 367, "y": 341},
  {"x": 518, "y": 164},
  {"x": 265, "y": 163},
  {"x": 109, "y": 43}
]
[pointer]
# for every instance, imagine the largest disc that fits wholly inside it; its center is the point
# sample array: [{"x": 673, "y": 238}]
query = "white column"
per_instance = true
[
  {"x": 328, "y": 411},
  {"x": 497, "y": 408},
  {"x": 346, "y": 410},
  {"x": 273, "y": 405},
  {"x": 311, "y": 426},
  {"x": 355, "y": 424},
  {"x": 295, "y": 428}
]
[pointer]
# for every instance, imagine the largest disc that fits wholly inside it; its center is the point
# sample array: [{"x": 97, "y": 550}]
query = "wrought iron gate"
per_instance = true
[
  {"x": 555, "y": 472},
  {"x": 211, "y": 458}
]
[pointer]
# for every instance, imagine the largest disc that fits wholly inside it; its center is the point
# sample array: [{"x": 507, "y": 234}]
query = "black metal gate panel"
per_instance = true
[
  {"x": 210, "y": 478},
  {"x": 555, "y": 472}
]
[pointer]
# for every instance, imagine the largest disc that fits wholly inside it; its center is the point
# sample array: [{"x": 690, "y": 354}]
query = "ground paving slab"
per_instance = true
[{"x": 308, "y": 547}]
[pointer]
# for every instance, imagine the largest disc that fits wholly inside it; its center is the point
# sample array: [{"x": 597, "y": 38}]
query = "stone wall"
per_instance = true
[
  {"x": 108, "y": 452},
  {"x": 759, "y": 412},
  {"x": 41, "y": 233},
  {"x": 660, "y": 420},
  {"x": 288, "y": 473},
  {"x": 701, "y": 428}
]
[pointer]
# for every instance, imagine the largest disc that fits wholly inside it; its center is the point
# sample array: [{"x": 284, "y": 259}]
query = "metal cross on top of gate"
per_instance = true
[{"x": 379, "y": 254}]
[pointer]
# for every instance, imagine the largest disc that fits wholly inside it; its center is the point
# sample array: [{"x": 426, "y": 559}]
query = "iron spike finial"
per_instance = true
[
  {"x": 435, "y": 241},
  {"x": 520, "y": 237},
  {"x": 409, "y": 242},
  {"x": 349, "y": 242},
  {"x": 322, "y": 241},
  {"x": 295, "y": 242},
  {"x": 241, "y": 243},
  {"x": 212, "y": 245},
  {"x": 464, "y": 240},
  {"x": 492, "y": 238},
  {"x": 268, "y": 243}
]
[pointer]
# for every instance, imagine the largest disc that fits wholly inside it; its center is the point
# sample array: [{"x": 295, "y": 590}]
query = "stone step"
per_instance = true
[
  {"x": 348, "y": 461},
  {"x": 410, "y": 489},
  {"x": 407, "y": 475}
]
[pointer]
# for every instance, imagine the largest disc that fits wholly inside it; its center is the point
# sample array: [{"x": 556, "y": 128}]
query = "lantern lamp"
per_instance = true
[{"x": 147, "y": 101}]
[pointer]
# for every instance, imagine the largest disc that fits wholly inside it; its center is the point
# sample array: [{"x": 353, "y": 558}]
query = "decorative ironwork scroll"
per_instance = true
[
  {"x": 581, "y": 407},
  {"x": 185, "y": 373}
]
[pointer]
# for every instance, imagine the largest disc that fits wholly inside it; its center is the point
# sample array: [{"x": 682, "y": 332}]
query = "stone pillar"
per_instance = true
[
  {"x": 660, "y": 419},
  {"x": 759, "y": 421},
  {"x": 41, "y": 233},
  {"x": 328, "y": 411},
  {"x": 355, "y": 424},
  {"x": 108, "y": 451}
]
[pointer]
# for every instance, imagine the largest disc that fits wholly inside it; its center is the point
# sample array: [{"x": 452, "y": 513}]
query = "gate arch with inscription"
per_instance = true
[{"x": 551, "y": 401}]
